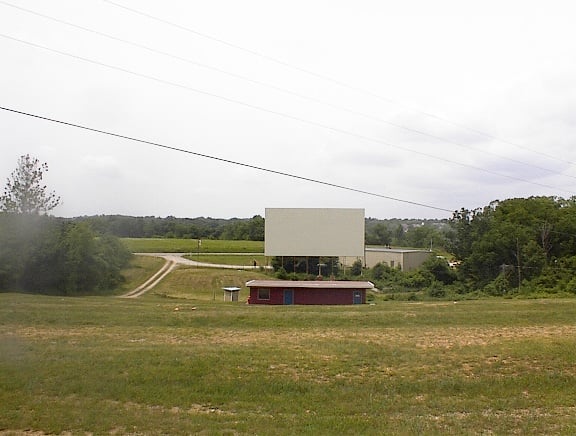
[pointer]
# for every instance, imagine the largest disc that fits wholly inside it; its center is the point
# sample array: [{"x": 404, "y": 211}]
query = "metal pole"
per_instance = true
[{"x": 519, "y": 266}]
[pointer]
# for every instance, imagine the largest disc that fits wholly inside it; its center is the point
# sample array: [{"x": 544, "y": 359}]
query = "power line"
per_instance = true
[
  {"x": 220, "y": 159},
  {"x": 277, "y": 113},
  {"x": 277, "y": 88},
  {"x": 335, "y": 81}
]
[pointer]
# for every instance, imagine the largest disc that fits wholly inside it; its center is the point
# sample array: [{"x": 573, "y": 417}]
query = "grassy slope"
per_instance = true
[
  {"x": 204, "y": 284},
  {"x": 191, "y": 283},
  {"x": 141, "y": 269},
  {"x": 165, "y": 366}
]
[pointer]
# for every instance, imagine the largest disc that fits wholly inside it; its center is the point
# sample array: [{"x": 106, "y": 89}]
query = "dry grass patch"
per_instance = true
[{"x": 425, "y": 339}]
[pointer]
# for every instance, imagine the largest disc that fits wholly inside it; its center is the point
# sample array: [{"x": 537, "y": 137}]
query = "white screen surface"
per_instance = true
[{"x": 314, "y": 232}]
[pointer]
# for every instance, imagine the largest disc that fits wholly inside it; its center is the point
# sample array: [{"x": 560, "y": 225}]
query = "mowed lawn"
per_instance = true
[
  {"x": 167, "y": 245},
  {"x": 165, "y": 365}
]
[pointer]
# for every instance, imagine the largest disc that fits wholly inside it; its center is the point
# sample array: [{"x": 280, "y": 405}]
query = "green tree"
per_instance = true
[
  {"x": 256, "y": 228},
  {"x": 356, "y": 268},
  {"x": 21, "y": 235},
  {"x": 379, "y": 234},
  {"x": 24, "y": 192},
  {"x": 399, "y": 235},
  {"x": 513, "y": 241},
  {"x": 468, "y": 226},
  {"x": 81, "y": 265},
  {"x": 440, "y": 269},
  {"x": 246, "y": 230},
  {"x": 381, "y": 271},
  {"x": 66, "y": 258},
  {"x": 424, "y": 237},
  {"x": 40, "y": 253}
]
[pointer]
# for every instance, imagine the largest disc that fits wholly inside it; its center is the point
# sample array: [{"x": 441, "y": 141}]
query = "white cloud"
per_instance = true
[{"x": 102, "y": 166}]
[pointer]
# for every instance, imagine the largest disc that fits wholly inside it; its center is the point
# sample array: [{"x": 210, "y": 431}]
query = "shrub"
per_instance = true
[
  {"x": 436, "y": 292},
  {"x": 55, "y": 256},
  {"x": 281, "y": 274},
  {"x": 417, "y": 279},
  {"x": 440, "y": 269},
  {"x": 497, "y": 287},
  {"x": 356, "y": 268},
  {"x": 382, "y": 271}
]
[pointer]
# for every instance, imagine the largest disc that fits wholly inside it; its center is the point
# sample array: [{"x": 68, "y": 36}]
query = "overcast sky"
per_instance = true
[{"x": 429, "y": 106}]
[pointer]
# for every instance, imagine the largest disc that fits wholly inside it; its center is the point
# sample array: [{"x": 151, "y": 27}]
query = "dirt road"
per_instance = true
[{"x": 172, "y": 262}]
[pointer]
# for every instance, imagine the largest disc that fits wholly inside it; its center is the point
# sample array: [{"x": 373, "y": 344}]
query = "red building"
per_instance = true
[{"x": 307, "y": 292}]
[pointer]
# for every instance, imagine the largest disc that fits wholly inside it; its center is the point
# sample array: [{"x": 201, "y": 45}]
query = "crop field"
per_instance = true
[{"x": 176, "y": 361}]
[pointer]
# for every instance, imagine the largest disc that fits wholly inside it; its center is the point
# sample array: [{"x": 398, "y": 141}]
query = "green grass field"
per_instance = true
[
  {"x": 158, "y": 245},
  {"x": 177, "y": 362},
  {"x": 230, "y": 259}
]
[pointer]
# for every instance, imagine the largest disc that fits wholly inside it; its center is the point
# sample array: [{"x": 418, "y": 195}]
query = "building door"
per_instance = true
[
  {"x": 288, "y": 296},
  {"x": 357, "y": 297}
]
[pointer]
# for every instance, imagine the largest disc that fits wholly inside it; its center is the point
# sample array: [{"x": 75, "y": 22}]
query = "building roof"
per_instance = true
[
  {"x": 231, "y": 289},
  {"x": 309, "y": 284},
  {"x": 396, "y": 250}
]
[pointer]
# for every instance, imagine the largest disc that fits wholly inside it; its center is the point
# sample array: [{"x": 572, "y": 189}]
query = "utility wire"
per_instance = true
[
  {"x": 220, "y": 159},
  {"x": 281, "y": 114},
  {"x": 278, "y": 88},
  {"x": 335, "y": 81}
]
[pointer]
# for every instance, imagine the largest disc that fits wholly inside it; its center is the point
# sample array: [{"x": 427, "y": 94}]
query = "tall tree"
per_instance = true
[
  {"x": 379, "y": 234},
  {"x": 515, "y": 241},
  {"x": 24, "y": 192}
]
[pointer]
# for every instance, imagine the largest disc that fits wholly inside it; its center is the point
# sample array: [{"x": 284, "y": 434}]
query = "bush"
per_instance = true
[
  {"x": 356, "y": 268},
  {"x": 55, "y": 256},
  {"x": 382, "y": 271},
  {"x": 436, "y": 292},
  {"x": 497, "y": 287},
  {"x": 281, "y": 274},
  {"x": 440, "y": 269},
  {"x": 417, "y": 279}
]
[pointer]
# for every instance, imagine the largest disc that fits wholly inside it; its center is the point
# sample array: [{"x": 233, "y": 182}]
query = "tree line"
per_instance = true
[
  {"x": 519, "y": 246},
  {"x": 51, "y": 255},
  {"x": 415, "y": 233},
  {"x": 39, "y": 253},
  {"x": 407, "y": 232},
  {"x": 122, "y": 226}
]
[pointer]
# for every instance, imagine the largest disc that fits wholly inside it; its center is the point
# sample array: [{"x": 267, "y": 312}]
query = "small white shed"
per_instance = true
[{"x": 231, "y": 293}]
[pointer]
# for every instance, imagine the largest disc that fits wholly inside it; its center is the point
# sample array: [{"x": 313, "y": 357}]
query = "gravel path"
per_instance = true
[{"x": 172, "y": 261}]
